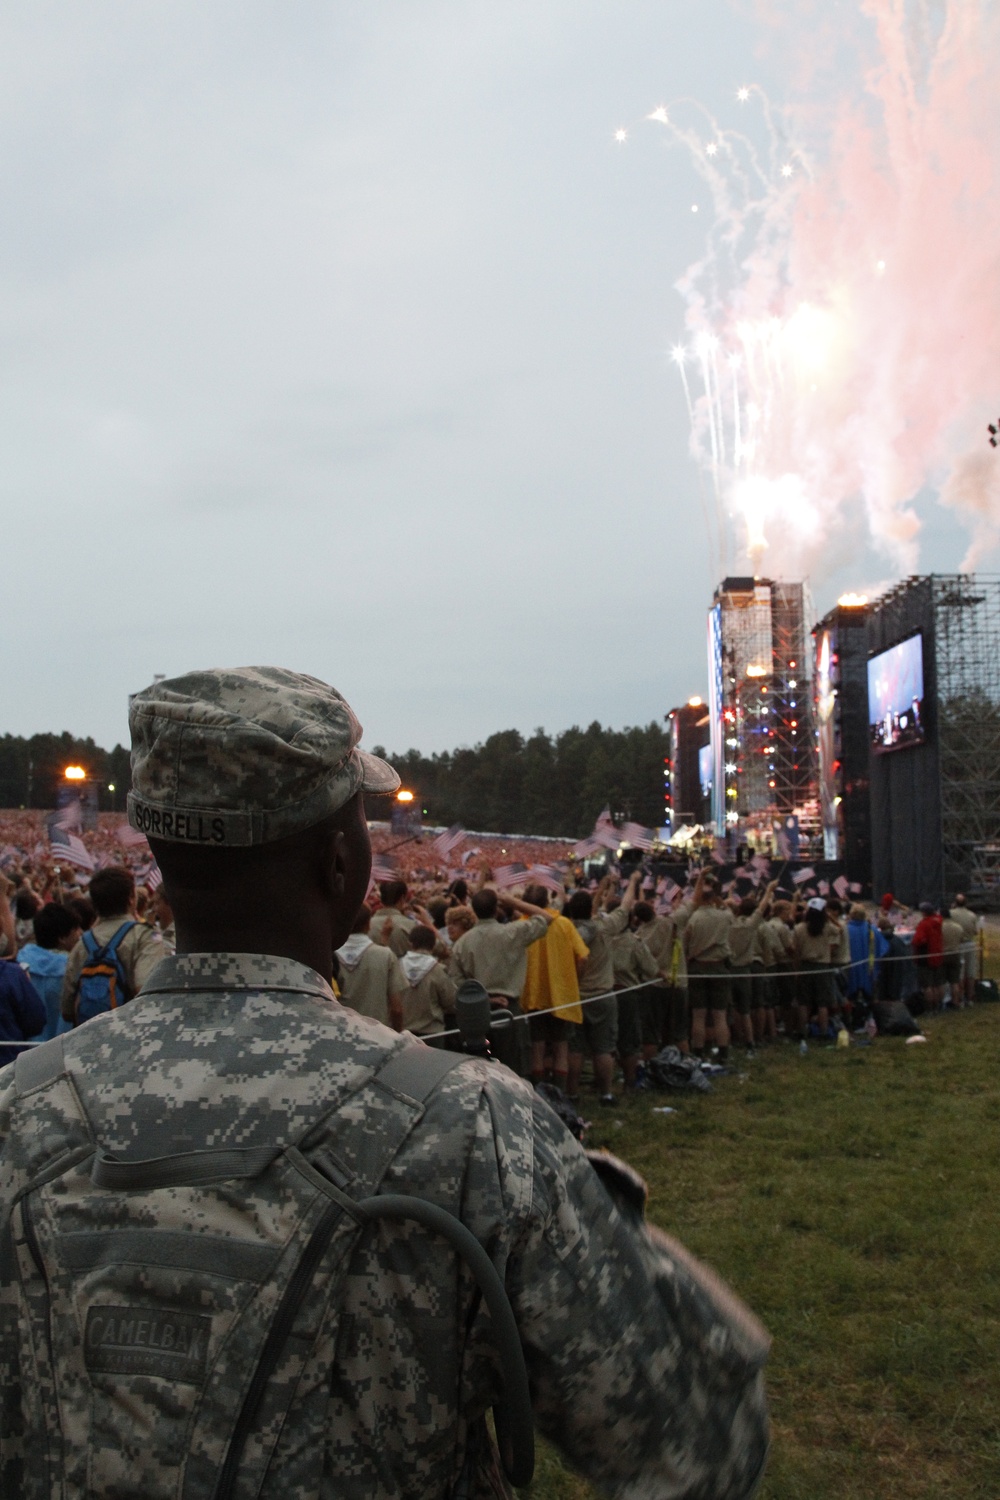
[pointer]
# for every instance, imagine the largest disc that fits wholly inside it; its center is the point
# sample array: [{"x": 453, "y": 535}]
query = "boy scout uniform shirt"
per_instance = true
[
  {"x": 425, "y": 1002},
  {"x": 769, "y": 950},
  {"x": 706, "y": 936},
  {"x": 951, "y": 935},
  {"x": 639, "y": 1374},
  {"x": 631, "y": 961},
  {"x": 783, "y": 933},
  {"x": 743, "y": 937},
  {"x": 496, "y": 954},
  {"x": 658, "y": 935},
  {"x": 367, "y": 986},
  {"x": 598, "y": 977},
  {"x": 821, "y": 949},
  {"x": 139, "y": 951},
  {"x": 967, "y": 920},
  {"x": 391, "y": 928}
]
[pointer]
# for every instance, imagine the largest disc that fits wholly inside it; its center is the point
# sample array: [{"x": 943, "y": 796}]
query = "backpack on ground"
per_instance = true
[
  {"x": 102, "y": 984},
  {"x": 177, "y": 1317}
]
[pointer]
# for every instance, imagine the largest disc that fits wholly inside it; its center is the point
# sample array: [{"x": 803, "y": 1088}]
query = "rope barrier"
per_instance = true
[{"x": 757, "y": 971}]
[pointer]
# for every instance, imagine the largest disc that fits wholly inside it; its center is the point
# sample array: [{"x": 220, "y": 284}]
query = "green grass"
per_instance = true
[{"x": 851, "y": 1198}]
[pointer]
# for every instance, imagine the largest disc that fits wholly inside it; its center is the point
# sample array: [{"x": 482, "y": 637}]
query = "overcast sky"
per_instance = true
[{"x": 336, "y": 336}]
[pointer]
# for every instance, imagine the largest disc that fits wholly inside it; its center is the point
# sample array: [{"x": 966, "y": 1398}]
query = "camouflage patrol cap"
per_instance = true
[{"x": 244, "y": 755}]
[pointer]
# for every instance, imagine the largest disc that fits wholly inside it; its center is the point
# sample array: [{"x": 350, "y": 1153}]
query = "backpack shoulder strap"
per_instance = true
[
  {"x": 416, "y": 1070},
  {"x": 112, "y": 945},
  {"x": 37, "y": 1066},
  {"x": 91, "y": 944}
]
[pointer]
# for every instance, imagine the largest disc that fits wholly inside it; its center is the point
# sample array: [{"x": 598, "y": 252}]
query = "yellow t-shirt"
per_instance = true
[{"x": 552, "y": 978}]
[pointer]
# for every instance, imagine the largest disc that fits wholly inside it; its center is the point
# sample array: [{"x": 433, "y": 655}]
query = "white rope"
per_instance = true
[{"x": 757, "y": 972}]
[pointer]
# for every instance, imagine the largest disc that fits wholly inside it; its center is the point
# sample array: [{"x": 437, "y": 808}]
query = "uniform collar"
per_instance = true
[{"x": 234, "y": 971}]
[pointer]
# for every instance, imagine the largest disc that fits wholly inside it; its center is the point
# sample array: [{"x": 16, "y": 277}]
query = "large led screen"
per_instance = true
[{"x": 896, "y": 696}]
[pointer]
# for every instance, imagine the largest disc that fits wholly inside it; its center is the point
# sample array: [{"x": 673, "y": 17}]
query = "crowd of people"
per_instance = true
[
  {"x": 603, "y": 973},
  {"x": 614, "y": 973}
]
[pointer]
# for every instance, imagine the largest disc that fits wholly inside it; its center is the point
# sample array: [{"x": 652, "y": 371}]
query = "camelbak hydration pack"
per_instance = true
[{"x": 176, "y": 1315}]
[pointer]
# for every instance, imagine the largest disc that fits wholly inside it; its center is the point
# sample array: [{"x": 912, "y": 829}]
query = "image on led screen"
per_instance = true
[
  {"x": 706, "y": 770},
  {"x": 896, "y": 696}
]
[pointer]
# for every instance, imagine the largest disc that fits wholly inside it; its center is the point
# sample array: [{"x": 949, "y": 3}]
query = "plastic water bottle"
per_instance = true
[
  {"x": 871, "y": 1030},
  {"x": 843, "y": 1040},
  {"x": 803, "y": 1048}
]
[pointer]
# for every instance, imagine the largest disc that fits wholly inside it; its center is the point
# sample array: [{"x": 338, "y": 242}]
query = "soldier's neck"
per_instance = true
[{"x": 281, "y": 933}]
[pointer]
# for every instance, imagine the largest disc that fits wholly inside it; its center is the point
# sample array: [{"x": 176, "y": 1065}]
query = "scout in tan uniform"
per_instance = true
[
  {"x": 706, "y": 946},
  {"x": 391, "y": 925},
  {"x": 632, "y": 965},
  {"x": 429, "y": 995},
  {"x": 112, "y": 890},
  {"x": 748, "y": 915},
  {"x": 495, "y": 954},
  {"x": 969, "y": 923},
  {"x": 371, "y": 980},
  {"x": 600, "y": 1015}
]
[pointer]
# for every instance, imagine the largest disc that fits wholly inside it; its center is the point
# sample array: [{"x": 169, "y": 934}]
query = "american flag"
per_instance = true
[
  {"x": 68, "y": 818},
  {"x": 505, "y": 877},
  {"x": 384, "y": 868},
  {"x": 129, "y": 837},
  {"x": 70, "y": 850},
  {"x": 544, "y": 875},
  {"x": 840, "y": 886},
  {"x": 587, "y": 846},
  {"x": 668, "y": 888},
  {"x": 153, "y": 879},
  {"x": 446, "y": 842},
  {"x": 637, "y": 836},
  {"x": 799, "y": 877}
]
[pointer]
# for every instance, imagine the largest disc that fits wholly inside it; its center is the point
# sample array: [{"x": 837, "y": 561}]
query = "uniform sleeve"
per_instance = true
[
  {"x": 444, "y": 989},
  {"x": 147, "y": 952},
  {"x": 646, "y": 1371},
  {"x": 645, "y": 962},
  {"x": 459, "y": 968},
  {"x": 615, "y": 922},
  {"x": 527, "y": 932},
  {"x": 442, "y": 996},
  {"x": 74, "y": 964},
  {"x": 396, "y": 979}
]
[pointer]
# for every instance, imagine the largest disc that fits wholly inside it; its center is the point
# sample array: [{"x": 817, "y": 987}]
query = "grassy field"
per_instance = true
[{"x": 853, "y": 1200}]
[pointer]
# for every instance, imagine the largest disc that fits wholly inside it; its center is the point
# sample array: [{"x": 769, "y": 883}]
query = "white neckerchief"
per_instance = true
[
  {"x": 416, "y": 965},
  {"x": 350, "y": 953}
]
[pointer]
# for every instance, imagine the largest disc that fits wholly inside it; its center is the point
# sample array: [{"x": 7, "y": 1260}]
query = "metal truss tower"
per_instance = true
[{"x": 760, "y": 674}]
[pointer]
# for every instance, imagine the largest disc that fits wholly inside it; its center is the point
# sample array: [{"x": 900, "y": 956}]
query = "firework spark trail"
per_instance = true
[{"x": 859, "y": 282}]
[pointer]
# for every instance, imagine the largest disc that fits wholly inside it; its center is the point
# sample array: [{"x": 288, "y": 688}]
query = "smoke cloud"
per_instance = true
[{"x": 844, "y": 324}]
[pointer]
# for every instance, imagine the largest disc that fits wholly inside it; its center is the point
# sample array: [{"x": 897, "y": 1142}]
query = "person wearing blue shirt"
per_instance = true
[
  {"x": 57, "y": 929},
  {"x": 22, "y": 1011}
]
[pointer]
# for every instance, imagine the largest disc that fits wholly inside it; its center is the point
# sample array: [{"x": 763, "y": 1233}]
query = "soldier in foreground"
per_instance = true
[{"x": 194, "y": 1298}]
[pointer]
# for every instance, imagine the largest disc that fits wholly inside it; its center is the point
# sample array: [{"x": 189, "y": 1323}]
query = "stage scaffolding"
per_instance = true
[
  {"x": 760, "y": 666},
  {"x": 960, "y": 616}
]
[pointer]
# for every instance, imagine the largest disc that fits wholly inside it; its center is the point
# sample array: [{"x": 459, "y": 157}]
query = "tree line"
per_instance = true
[
  {"x": 31, "y": 770},
  {"x": 542, "y": 784}
]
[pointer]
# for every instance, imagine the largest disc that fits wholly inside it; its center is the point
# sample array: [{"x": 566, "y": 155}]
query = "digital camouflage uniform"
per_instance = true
[
  {"x": 647, "y": 1378},
  {"x": 635, "y": 1375}
]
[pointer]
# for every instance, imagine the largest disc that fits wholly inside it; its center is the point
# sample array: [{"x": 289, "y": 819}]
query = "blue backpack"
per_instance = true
[{"x": 102, "y": 984}]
